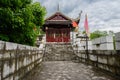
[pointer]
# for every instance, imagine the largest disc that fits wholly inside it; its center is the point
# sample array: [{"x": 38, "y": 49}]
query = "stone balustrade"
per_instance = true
[
  {"x": 117, "y": 38},
  {"x": 17, "y": 60},
  {"x": 103, "y": 55}
]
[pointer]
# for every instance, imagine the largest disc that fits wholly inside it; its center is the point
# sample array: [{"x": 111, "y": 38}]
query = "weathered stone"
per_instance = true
[
  {"x": 9, "y": 78},
  {"x": 17, "y": 57},
  {"x": 59, "y": 52},
  {"x": 102, "y": 60},
  {"x": 111, "y": 61},
  {"x": 83, "y": 55},
  {"x": 11, "y": 46},
  {"x": 117, "y": 40},
  {"x": 106, "y": 39},
  {"x": 103, "y": 43},
  {"x": 117, "y": 45},
  {"x": 2, "y": 44},
  {"x": 21, "y": 47},
  {"x": 93, "y": 58},
  {"x": 96, "y": 47},
  {"x": 28, "y": 47},
  {"x": 117, "y": 36},
  {"x": 107, "y": 46},
  {"x": 6, "y": 55},
  {"x": 66, "y": 70},
  {"x": 6, "y": 69},
  {"x": 96, "y": 41}
]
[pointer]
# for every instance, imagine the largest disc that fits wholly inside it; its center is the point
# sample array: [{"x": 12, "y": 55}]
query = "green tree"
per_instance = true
[
  {"x": 97, "y": 34},
  {"x": 20, "y": 21}
]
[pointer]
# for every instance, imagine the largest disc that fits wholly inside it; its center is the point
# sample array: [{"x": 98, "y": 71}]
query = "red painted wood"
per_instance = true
[{"x": 58, "y": 35}]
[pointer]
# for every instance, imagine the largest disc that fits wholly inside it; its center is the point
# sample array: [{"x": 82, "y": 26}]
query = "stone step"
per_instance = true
[{"x": 55, "y": 52}]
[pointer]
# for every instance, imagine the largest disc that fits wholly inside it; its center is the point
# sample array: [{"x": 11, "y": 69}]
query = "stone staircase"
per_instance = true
[{"x": 59, "y": 52}]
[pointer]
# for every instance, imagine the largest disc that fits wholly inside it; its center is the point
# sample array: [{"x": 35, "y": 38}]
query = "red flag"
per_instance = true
[
  {"x": 86, "y": 26},
  {"x": 74, "y": 24}
]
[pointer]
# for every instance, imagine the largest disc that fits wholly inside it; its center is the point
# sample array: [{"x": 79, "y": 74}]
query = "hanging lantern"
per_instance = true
[{"x": 46, "y": 28}]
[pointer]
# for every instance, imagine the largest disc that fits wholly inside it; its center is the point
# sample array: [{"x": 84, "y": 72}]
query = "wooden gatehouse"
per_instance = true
[{"x": 58, "y": 27}]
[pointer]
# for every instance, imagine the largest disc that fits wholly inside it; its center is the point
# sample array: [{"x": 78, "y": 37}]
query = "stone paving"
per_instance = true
[{"x": 66, "y": 70}]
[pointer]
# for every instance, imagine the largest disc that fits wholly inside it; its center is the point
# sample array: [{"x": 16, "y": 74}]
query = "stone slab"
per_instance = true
[
  {"x": 117, "y": 45},
  {"x": 28, "y": 47},
  {"x": 111, "y": 61},
  {"x": 106, "y": 39},
  {"x": 11, "y": 46},
  {"x": 107, "y": 46},
  {"x": 117, "y": 36},
  {"x": 93, "y": 58},
  {"x": 95, "y": 47},
  {"x": 96, "y": 41},
  {"x": 2, "y": 44},
  {"x": 6, "y": 70},
  {"x": 102, "y": 60},
  {"x": 21, "y": 47}
]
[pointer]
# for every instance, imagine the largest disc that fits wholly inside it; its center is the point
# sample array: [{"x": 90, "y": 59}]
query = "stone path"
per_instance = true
[{"x": 66, "y": 70}]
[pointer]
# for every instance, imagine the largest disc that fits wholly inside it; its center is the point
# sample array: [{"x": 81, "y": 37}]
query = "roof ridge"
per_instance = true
[{"x": 59, "y": 13}]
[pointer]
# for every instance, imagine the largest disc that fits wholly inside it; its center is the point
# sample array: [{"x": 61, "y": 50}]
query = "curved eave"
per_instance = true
[
  {"x": 77, "y": 20},
  {"x": 48, "y": 23},
  {"x": 57, "y": 22}
]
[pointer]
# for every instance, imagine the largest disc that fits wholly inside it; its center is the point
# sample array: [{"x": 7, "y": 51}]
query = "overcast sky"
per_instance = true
[{"x": 102, "y": 14}]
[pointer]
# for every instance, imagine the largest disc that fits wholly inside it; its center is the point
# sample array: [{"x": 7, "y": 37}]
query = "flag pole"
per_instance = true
[
  {"x": 87, "y": 37},
  {"x": 87, "y": 53}
]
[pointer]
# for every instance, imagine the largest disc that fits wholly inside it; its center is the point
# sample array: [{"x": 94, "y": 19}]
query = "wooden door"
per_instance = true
[
  {"x": 50, "y": 35},
  {"x": 58, "y": 35},
  {"x": 66, "y": 35}
]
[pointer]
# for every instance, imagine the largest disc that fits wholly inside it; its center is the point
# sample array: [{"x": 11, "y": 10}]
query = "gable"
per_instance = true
[{"x": 58, "y": 16}]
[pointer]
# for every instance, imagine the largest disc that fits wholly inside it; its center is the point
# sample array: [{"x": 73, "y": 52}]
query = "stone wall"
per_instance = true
[
  {"x": 82, "y": 45},
  {"x": 107, "y": 60},
  {"x": 117, "y": 39},
  {"x": 102, "y": 55},
  {"x": 103, "y": 43},
  {"x": 17, "y": 60}
]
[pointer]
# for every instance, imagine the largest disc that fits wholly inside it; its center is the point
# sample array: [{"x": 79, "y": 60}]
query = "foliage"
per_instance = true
[
  {"x": 84, "y": 32},
  {"x": 20, "y": 21},
  {"x": 97, "y": 34}
]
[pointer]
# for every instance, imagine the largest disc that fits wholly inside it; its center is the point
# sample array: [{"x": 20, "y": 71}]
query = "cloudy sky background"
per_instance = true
[{"x": 103, "y": 15}]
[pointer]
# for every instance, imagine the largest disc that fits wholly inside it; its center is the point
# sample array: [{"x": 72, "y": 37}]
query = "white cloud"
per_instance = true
[{"x": 102, "y": 14}]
